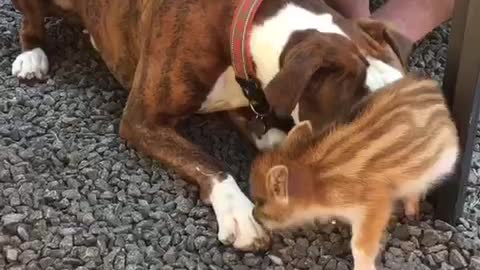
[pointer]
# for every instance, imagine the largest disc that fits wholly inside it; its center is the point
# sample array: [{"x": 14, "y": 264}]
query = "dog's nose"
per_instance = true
[
  {"x": 261, "y": 245},
  {"x": 266, "y": 242}
]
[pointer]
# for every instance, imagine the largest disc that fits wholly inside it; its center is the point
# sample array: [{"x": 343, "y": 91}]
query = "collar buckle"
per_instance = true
[{"x": 256, "y": 98}]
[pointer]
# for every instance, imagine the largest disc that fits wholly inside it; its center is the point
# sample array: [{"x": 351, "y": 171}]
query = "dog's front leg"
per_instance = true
[
  {"x": 232, "y": 208},
  {"x": 32, "y": 62},
  {"x": 148, "y": 124}
]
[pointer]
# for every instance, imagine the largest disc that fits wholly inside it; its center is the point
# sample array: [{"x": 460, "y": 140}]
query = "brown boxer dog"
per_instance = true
[{"x": 174, "y": 58}]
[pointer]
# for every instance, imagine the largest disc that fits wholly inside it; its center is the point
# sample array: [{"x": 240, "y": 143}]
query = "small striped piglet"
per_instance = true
[{"x": 399, "y": 143}]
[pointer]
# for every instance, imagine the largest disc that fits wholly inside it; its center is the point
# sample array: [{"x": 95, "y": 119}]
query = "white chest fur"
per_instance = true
[{"x": 225, "y": 95}]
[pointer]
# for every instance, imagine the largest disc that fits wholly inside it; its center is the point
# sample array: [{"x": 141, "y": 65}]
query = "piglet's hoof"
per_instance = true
[{"x": 412, "y": 208}]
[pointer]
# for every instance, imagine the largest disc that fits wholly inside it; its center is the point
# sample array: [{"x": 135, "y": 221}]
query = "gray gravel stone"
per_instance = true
[
  {"x": 88, "y": 219},
  {"x": 331, "y": 265},
  {"x": 170, "y": 256},
  {"x": 134, "y": 256},
  {"x": 436, "y": 248},
  {"x": 407, "y": 246},
  {"x": 66, "y": 243},
  {"x": 45, "y": 262},
  {"x": 133, "y": 190},
  {"x": 443, "y": 226},
  {"x": 26, "y": 256},
  {"x": 441, "y": 256},
  {"x": 446, "y": 266},
  {"x": 71, "y": 194},
  {"x": 200, "y": 242},
  {"x": 456, "y": 259},
  {"x": 342, "y": 266},
  {"x": 474, "y": 263},
  {"x": 184, "y": 205},
  {"x": 89, "y": 253},
  {"x": 414, "y": 231},
  {"x": 9, "y": 219},
  {"x": 17, "y": 267},
  {"x": 23, "y": 233},
  {"x": 68, "y": 231},
  {"x": 12, "y": 254},
  {"x": 401, "y": 232},
  {"x": 51, "y": 195},
  {"x": 430, "y": 238}
]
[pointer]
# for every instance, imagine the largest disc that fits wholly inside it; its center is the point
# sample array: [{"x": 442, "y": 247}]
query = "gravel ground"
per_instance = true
[{"x": 72, "y": 196}]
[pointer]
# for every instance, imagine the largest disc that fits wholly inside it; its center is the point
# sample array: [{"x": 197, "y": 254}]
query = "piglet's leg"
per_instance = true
[
  {"x": 412, "y": 207},
  {"x": 367, "y": 232}
]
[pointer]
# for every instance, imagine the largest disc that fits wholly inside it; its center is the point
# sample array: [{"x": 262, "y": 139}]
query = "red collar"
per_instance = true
[
  {"x": 242, "y": 61},
  {"x": 243, "y": 17}
]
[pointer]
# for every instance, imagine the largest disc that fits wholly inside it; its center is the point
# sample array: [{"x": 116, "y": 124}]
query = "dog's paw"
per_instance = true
[
  {"x": 236, "y": 225},
  {"x": 31, "y": 64}
]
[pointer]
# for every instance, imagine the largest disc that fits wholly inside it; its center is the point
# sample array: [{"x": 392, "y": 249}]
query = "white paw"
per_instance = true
[
  {"x": 31, "y": 64},
  {"x": 234, "y": 216},
  {"x": 270, "y": 140}
]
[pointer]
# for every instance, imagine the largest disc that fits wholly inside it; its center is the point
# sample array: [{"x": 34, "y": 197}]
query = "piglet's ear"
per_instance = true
[
  {"x": 301, "y": 130},
  {"x": 277, "y": 183},
  {"x": 299, "y": 134}
]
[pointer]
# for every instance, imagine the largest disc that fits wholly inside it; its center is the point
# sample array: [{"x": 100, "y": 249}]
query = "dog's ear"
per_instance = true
[
  {"x": 386, "y": 34},
  {"x": 306, "y": 53},
  {"x": 298, "y": 63}
]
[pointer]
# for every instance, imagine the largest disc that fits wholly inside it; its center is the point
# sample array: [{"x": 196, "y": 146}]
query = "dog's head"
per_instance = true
[
  {"x": 323, "y": 75},
  {"x": 320, "y": 74}
]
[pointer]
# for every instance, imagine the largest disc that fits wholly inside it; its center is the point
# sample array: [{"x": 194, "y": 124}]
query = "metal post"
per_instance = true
[{"x": 462, "y": 90}]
